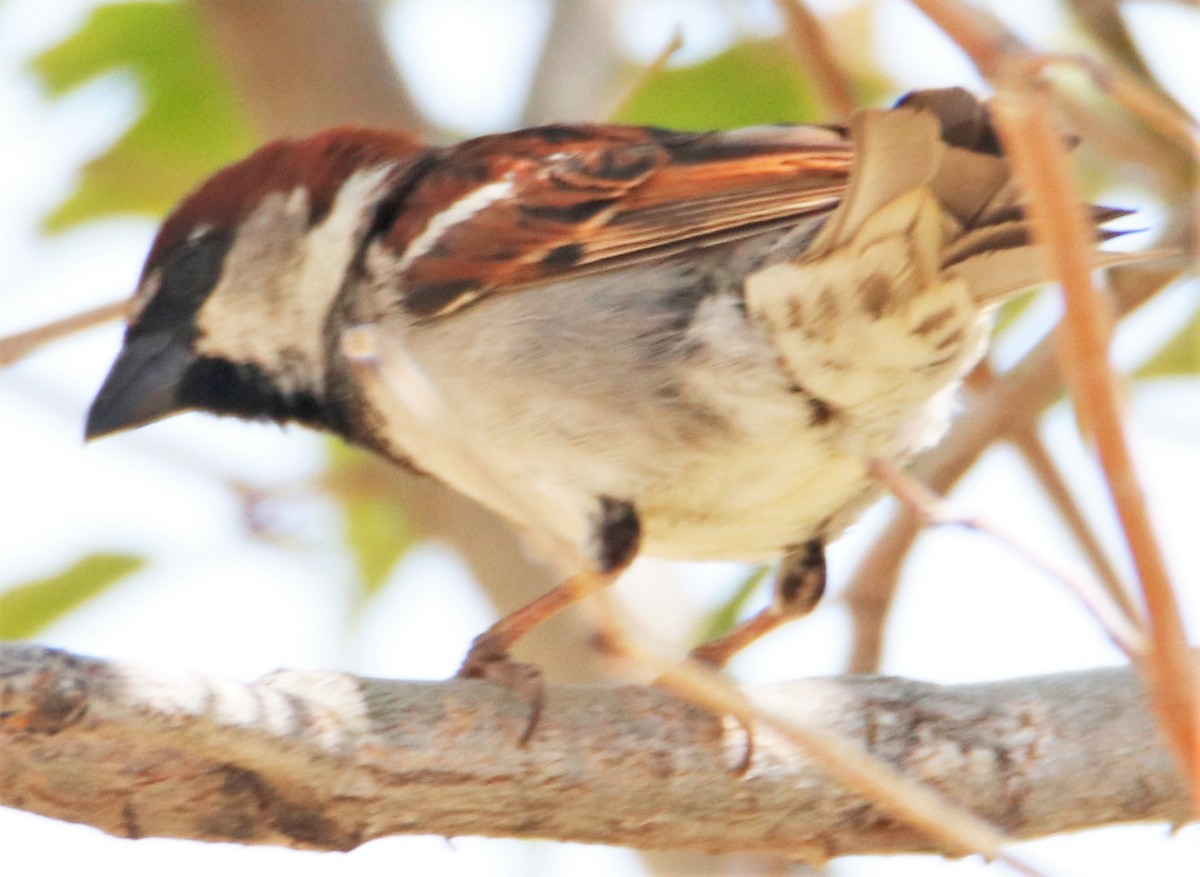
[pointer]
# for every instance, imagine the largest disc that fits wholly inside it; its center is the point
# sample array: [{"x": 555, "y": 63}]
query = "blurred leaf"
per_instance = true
[
  {"x": 852, "y": 34},
  {"x": 377, "y": 530},
  {"x": 1179, "y": 356},
  {"x": 752, "y": 83},
  {"x": 726, "y": 616},
  {"x": 190, "y": 124},
  {"x": 28, "y": 608},
  {"x": 1008, "y": 312},
  {"x": 378, "y": 536}
]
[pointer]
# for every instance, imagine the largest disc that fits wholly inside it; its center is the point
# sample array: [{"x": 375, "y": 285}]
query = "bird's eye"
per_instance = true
[
  {"x": 193, "y": 268},
  {"x": 185, "y": 277}
]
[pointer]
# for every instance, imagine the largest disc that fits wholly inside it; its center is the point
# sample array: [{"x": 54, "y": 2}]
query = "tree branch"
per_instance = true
[
  {"x": 578, "y": 65},
  {"x": 16, "y": 347},
  {"x": 812, "y": 50},
  {"x": 301, "y": 67},
  {"x": 329, "y": 761}
]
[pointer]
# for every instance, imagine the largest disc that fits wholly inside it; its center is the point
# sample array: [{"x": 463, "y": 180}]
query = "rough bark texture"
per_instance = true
[{"x": 329, "y": 761}]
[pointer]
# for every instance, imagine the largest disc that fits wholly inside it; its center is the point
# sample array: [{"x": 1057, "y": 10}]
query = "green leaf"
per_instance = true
[
  {"x": 378, "y": 535},
  {"x": 726, "y": 616},
  {"x": 28, "y": 608},
  {"x": 190, "y": 124},
  {"x": 377, "y": 530},
  {"x": 1008, "y": 312},
  {"x": 1179, "y": 356},
  {"x": 752, "y": 83}
]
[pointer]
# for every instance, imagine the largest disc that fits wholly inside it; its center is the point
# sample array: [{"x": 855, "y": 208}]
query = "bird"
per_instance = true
[{"x": 680, "y": 344}]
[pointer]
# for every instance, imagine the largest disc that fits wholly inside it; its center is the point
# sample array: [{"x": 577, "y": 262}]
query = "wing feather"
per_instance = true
[{"x": 578, "y": 198}]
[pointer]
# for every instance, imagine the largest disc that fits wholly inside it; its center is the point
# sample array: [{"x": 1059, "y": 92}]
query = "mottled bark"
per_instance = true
[{"x": 329, "y": 761}]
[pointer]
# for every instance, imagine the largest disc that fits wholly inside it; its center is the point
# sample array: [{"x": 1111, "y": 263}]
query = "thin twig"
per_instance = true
[
  {"x": 976, "y": 31},
  {"x": 1024, "y": 436},
  {"x": 1104, "y": 22},
  {"x": 1029, "y": 387},
  {"x": 933, "y": 510},
  {"x": 656, "y": 66},
  {"x": 1059, "y": 222},
  {"x": 915, "y": 803},
  {"x": 1028, "y": 443},
  {"x": 19, "y": 345},
  {"x": 811, "y": 47},
  {"x": 992, "y": 47},
  {"x": 1126, "y": 91},
  {"x": 1022, "y": 111}
]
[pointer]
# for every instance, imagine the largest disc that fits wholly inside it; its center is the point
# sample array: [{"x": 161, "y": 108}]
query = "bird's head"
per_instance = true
[{"x": 230, "y": 311}]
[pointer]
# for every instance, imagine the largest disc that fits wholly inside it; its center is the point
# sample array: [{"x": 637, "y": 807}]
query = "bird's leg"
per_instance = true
[
  {"x": 799, "y": 584},
  {"x": 612, "y": 547}
]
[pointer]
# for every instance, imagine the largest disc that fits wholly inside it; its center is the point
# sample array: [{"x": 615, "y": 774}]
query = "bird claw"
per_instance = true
[
  {"x": 488, "y": 661},
  {"x": 746, "y": 761}
]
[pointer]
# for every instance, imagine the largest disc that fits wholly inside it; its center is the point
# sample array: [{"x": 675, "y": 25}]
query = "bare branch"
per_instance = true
[
  {"x": 1125, "y": 631},
  {"x": 300, "y": 67},
  {"x": 433, "y": 427},
  {"x": 329, "y": 761},
  {"x": 951, "y": 828},
  {"x": 645, "y": 75},
  {"x": 1037, "y": 458},
  {"x": 578, "y": 66},
  {"x": 17, "y": 346},
  {"x": 1022, "y": 113},
  {"x": 811, "y": 48}
]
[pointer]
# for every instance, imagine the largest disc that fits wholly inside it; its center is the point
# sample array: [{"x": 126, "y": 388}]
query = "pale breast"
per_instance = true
[{"x": 648, "y": 385}]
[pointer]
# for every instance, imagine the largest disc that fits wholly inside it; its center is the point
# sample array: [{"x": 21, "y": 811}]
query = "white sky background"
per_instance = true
[{"x": 211, "y": 600}]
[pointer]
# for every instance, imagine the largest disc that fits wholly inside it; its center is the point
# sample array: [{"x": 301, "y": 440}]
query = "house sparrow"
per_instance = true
[{"x": 681, "y": 344}]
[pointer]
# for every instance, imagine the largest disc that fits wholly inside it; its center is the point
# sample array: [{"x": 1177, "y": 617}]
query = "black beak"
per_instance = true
[{"x": 143, "y": 385}]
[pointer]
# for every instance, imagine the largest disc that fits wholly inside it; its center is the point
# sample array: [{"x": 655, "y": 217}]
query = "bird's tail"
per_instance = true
[
  {"x": 888, "y": 305},
  {"x": 987, "y": 236}
]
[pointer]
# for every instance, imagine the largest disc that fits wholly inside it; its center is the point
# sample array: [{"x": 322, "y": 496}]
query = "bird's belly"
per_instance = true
[
  {"x": 765, "y": 481},
  {"x": 736, "y": 474},
  {"x": 695, "y": 423},
  {"x": 755, "y": 501}
]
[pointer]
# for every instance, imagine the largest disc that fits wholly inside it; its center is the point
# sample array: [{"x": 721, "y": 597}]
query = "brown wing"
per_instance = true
[{"x": 517, "y": 208}]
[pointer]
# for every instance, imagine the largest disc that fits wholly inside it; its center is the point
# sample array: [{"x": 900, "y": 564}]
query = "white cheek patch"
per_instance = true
[
  {"x": 280, "y": 278},
  {"x": 330, "y": 246}
]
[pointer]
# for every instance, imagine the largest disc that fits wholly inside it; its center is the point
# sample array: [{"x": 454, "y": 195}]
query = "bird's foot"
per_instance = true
[{"x": 489, "y": 660}]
